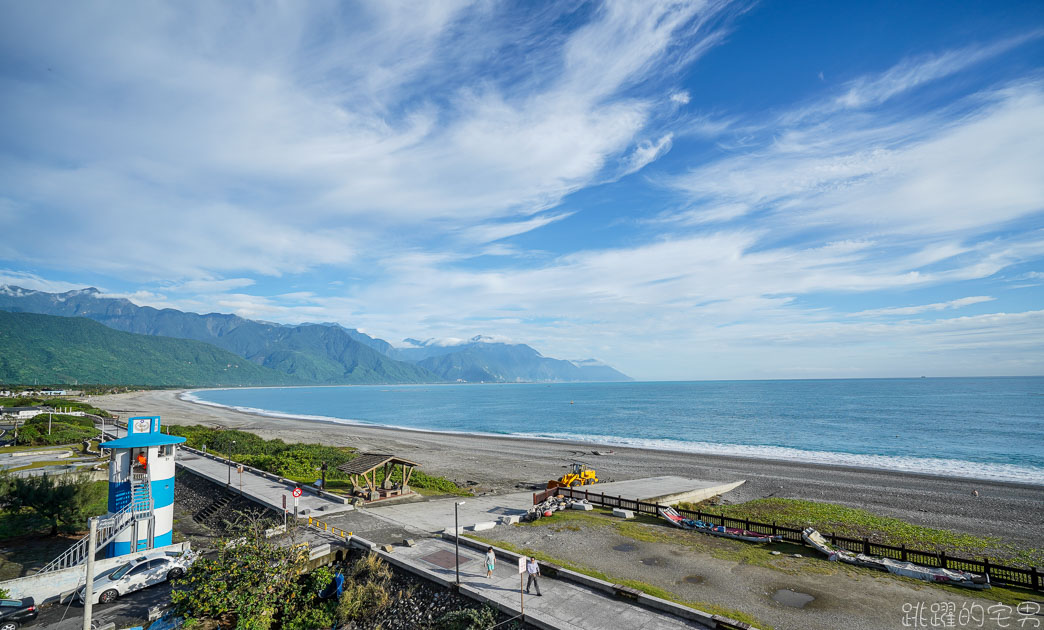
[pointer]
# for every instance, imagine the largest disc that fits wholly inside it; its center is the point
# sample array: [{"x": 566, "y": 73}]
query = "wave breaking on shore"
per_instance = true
[{"x": 918, "y": 465}]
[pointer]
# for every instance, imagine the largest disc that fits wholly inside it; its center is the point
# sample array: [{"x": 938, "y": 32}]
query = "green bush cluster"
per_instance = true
[
  {"x": 468, "y": 619},
  {"x": 297, "y": 460},
  {"x": 64, "y": 430},
  {"x": 55, "y": 502}
]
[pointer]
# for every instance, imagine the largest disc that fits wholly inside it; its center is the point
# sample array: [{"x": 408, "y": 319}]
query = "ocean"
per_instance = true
[{"x": 985, "y": 428}]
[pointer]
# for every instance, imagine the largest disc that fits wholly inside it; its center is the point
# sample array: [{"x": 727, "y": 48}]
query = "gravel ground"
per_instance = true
[
  {"x": 1013, "y": 512},
  {"x": 700, "y": 570}
]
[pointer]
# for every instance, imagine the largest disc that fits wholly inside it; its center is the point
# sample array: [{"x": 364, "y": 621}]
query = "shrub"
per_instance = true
[
  {"x": 366, "y": 590},
  {"x": 468, "y": 619}
]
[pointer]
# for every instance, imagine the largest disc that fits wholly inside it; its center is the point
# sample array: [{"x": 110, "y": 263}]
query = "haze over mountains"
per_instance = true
[{"x": 326, "y": 353}]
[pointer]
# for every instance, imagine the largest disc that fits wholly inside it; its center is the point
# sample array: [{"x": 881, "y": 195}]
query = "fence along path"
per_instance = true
[{"x": 1000, "y": 574}]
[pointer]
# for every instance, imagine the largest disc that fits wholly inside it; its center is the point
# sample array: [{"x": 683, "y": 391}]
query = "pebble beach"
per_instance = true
[{"x": 1011, "y": 511}]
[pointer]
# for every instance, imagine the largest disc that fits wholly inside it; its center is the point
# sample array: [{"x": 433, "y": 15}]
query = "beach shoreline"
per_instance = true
[{"x": 1010, "y": 510}]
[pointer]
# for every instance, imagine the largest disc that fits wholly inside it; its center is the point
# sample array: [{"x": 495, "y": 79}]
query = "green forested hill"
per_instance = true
[{"x": 51, "y": 349}]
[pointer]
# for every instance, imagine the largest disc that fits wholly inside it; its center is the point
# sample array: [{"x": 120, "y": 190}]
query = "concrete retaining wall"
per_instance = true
[{"x": 50, "y": 586}]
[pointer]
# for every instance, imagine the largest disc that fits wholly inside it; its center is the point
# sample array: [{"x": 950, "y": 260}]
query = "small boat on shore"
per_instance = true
[
  {"x": 671, "y": 516},
  {"x": 937, "y": 575}
]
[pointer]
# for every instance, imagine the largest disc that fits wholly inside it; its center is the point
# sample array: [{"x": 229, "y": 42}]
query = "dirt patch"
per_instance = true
[{"x": 734, "y": 575}]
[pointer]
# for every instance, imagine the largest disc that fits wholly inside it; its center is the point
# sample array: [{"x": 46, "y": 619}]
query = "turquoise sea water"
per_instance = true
[{"x": 990, "y": 428}]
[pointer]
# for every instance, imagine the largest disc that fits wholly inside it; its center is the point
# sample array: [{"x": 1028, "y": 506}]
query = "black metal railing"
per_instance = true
[{"x": 999, "y": 574}]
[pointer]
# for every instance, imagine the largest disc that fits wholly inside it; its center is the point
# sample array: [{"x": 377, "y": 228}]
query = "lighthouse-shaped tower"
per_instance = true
[{"x": 141, "y": 487}]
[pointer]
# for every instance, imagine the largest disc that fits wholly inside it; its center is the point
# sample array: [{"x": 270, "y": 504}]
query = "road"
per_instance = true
[{"x": 127, "y": 611}]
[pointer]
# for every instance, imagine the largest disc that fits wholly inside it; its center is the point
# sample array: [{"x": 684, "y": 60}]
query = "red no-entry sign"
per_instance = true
[{"x": 297, "y": 492}]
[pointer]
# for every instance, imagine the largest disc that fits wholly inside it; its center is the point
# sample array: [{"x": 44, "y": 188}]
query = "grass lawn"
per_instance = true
[
  {"x": 648, "y": 529},
  {"x": 855, "y": 523}
]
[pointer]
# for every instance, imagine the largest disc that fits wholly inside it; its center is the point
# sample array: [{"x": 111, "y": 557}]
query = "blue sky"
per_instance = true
[{"x": 684, "y": 190}]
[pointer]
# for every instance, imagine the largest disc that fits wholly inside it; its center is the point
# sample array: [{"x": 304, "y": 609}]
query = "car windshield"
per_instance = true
[
  {"x": 10, "y": 602},
  {"x": 122, "y": 571}
]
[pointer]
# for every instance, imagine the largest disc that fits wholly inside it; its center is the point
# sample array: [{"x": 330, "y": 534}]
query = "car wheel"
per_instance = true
[
  {"x": 9, "y": 625},
  {"x": 109, "y": 596},
  {"x": 174, "y": 573}
]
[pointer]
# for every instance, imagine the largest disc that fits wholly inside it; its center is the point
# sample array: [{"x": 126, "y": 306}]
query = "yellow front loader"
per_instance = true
[{"x": 578, "y": 475}]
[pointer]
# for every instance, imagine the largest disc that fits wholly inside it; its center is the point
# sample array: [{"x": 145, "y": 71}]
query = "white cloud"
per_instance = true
[
  {"x": 924, "y": 308},
  {"x": 912, "y": 73},
  {"x": 645, "y": 153},
  {"x": 34, "y": 282},
  {"x": 928, "y": 175},
  {"x": 495, "y": 231},
  {"x": 293, "y": 139},
  {"x": 680, "y": 97}
]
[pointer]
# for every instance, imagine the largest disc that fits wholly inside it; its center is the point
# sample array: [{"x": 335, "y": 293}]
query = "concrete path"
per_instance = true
[
  {"x": 263, "y": 490},
  {"x": 437, "y": 515},
  {"x": 564, "y": 604},
  {"x": 667, "y": 489}
]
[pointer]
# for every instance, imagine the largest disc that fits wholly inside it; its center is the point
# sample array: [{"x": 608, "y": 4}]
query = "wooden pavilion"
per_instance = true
[{"x": 362, "y": 471}]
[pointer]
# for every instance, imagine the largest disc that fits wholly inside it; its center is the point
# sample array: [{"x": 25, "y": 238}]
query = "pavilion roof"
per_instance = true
[{"x": 366, "y": 462}]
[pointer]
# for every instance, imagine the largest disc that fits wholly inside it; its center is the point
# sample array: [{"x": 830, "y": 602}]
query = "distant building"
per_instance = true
[
  {"x": 53, "y": 392},
  {"x": 21, "y": 413}
]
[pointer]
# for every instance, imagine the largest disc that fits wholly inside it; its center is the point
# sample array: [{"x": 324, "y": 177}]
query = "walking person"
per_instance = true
[
  {"x": 533, "y": 569},
  {"x": 491, "y": 562}
]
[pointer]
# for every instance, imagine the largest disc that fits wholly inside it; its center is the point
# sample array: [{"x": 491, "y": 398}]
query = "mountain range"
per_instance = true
[
  {"x": 324, "y": 353},
  {"x": 49, "y": 349}
]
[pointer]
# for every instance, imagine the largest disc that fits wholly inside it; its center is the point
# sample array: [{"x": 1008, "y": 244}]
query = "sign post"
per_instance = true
[
  {"x": 284, "y": 512},
  {"x": 521, "y": 576},
  {"x": 297, "y": 494}
]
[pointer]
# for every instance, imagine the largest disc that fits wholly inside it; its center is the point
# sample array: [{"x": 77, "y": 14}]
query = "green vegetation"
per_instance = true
[
  {"x": 855, "y": 523},
  {"x": 297, "y": 461},
  {"x": 76, "y": 349},
  {"x": 48, "y": 503},
  {"x": 646, "y": 528},
  {"x": 247, "y": 584},
  {"x": 257, "y": 584},
  {"x": 63, "y": 430},
  {"x": 644, "y": 587},
  {"x": 469, "y": 619}
]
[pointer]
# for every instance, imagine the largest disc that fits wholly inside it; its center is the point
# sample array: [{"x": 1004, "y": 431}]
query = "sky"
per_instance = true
[{"x": 684, "y": 190}]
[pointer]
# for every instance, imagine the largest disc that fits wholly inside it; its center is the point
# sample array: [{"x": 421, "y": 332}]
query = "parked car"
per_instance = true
[
  {"x": 15, "y": 612},
  {"x": 141, "y": 572}
]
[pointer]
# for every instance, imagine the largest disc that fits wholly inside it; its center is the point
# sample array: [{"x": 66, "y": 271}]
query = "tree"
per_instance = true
[
  {"x": 248, "y": 584},
  {"x": 60, "y": 499}
]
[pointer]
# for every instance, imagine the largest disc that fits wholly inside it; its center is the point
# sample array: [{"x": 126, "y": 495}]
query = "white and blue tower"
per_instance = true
[{"x": 141, "y": 487}]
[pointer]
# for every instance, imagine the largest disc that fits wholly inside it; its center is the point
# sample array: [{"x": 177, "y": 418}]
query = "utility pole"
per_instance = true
[
  {"x": 456, "y": 539},
  {"x": 48, "y": 423},
  {"x": 88, "y": 594}
]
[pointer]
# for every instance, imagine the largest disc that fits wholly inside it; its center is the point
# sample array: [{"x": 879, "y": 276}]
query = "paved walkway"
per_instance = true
[
  {"x": 435, "y": 516},
  {"x": 264, "y": 490},
  {"x": 564, "y": 604}
]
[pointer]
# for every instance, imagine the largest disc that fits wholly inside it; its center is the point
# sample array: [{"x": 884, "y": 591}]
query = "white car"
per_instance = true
[{"x": 142, "y": 571}]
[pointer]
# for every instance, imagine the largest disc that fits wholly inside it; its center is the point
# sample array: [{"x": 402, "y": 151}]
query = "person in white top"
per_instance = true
[
  {"x": 491, "y": 562},
  {"x": 533, "y": 569}
]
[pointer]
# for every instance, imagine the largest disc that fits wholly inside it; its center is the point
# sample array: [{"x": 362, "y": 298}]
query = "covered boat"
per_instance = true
[
  {"x": 671, "y": 516},
  {"x": 937, "y": 575}
]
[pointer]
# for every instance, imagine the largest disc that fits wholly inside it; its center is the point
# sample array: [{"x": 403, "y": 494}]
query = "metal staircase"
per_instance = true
[{"x": 139, "y": 510}]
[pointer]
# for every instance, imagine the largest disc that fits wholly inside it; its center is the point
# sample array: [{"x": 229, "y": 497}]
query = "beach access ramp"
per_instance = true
[{"x": 665, "y": 490}]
